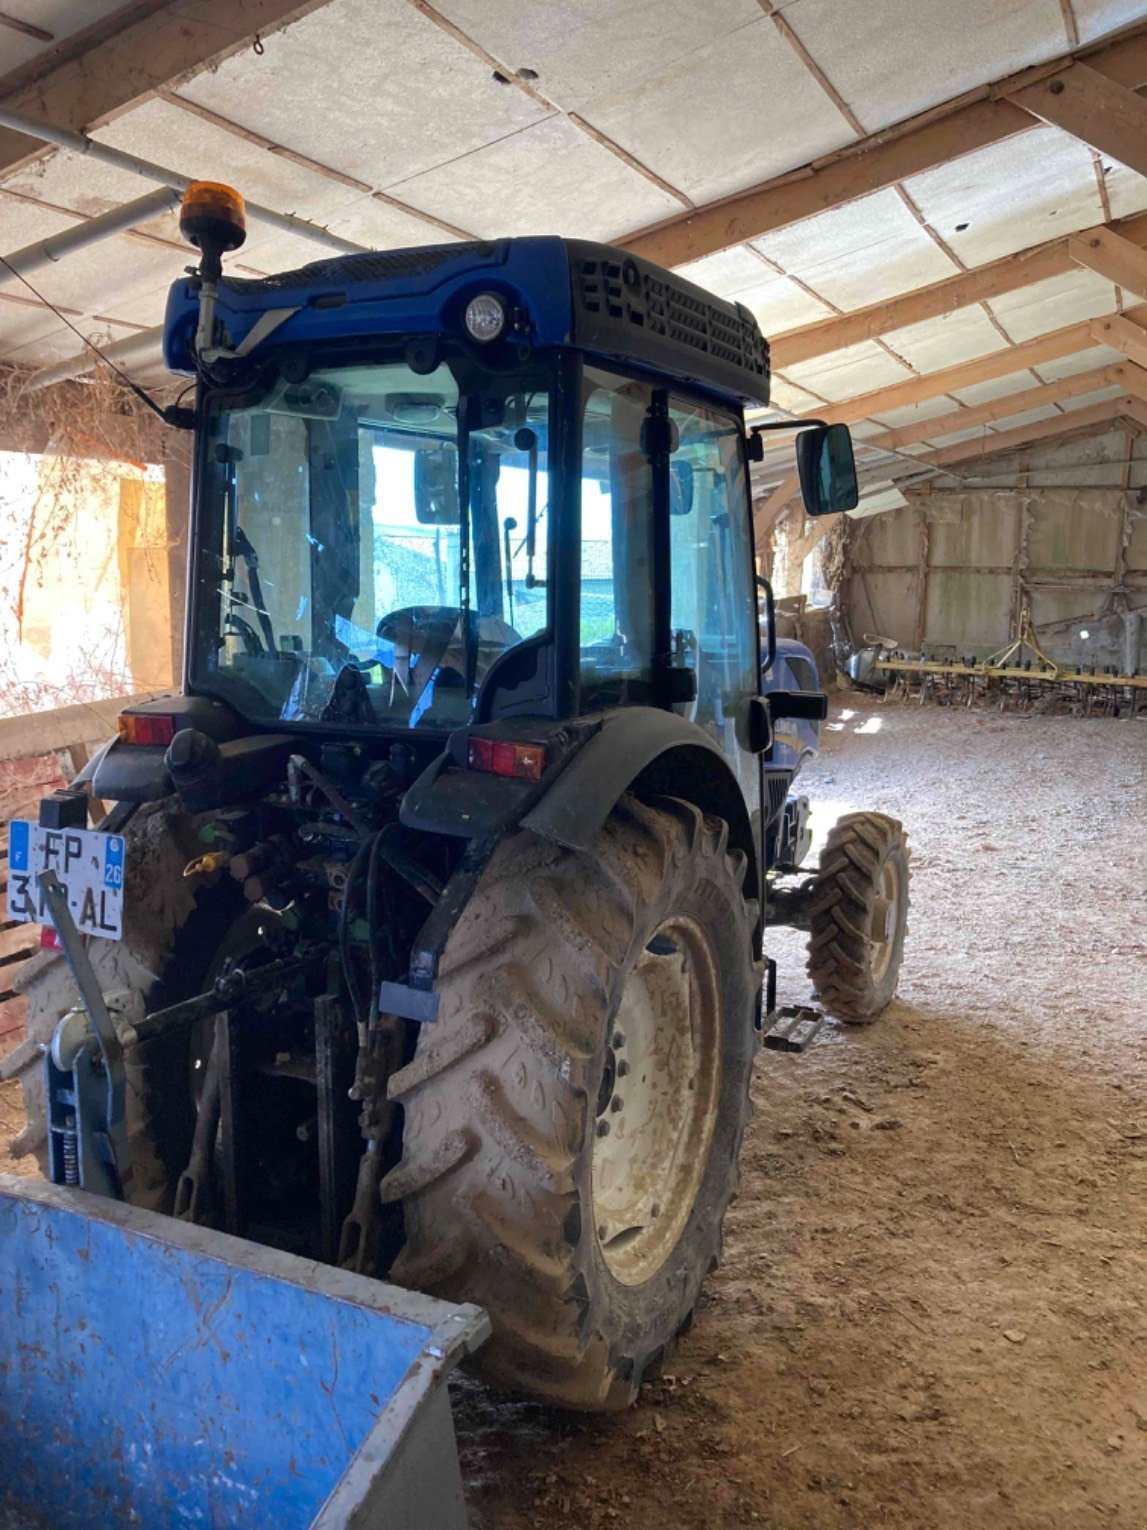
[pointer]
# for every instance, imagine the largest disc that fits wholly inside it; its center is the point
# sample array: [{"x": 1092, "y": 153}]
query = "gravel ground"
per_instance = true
[{"x": 932, "y": 1307}]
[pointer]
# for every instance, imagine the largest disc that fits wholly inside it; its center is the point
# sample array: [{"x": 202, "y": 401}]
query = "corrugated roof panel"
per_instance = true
[
  {"x": 1017, "y": 193},
  {"x": 998, "y": 387},
  {"x": 733, "y": 113},
  {"x": 370, "y": 87},
  {"x": 105, "y": 278},
  {"x": 727, "y": 272},
  {"x": 1094, "y": 18},
  {"x": 1081, "y": 361},
  {"x": 911, "y": 414},
  {"x": 23, "y": 327},
  {"x": 1054, "y": 304},
  {"x": 1029, "y": 416},
  {"x": 857, "y": 370},
  {"x": 62, "y": 18},
  {"x": 585, "y": 52},
  {"x": 787, "y": 395},
  {"x": 1065, "y": 410},
  {"x": 780, "y": 304},
  {"x": 548, "y": 179},
  {"x": 73, "y": 180},
  {"x": 1126, "y": 189},
  {"x": 937, "y": 343},
  {"x": 861, "y": 252},
  {"x": 180, "y": 141},
  {"x": 890, "y": 61}
]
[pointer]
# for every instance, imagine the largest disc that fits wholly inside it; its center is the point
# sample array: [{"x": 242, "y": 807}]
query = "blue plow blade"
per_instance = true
[{"x": 161, "y": 1374}]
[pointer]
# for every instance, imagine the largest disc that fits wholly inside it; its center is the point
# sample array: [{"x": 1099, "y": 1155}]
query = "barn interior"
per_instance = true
[{"x": 930, "y": 1305}]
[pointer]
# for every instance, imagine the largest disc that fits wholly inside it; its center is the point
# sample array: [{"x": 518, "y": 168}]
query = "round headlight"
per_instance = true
[{"x": 485, "y": 317}]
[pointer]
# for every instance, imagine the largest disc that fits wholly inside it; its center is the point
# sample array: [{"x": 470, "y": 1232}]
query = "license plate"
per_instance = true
[{"x": 89, "y": 864}]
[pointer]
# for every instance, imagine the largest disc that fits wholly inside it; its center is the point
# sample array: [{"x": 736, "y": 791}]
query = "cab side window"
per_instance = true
[
  {"x": 713, "y": 609},
  {"x": 616, "y": 544}
]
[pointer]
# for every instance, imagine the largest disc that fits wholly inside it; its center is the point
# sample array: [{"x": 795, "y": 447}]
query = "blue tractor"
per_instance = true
[{"x": 446, "y": 876}]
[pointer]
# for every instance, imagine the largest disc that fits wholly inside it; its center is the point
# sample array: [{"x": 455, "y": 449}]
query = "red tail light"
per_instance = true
[
  {"x": 149, "y": 728},
  {"x": 502, "y": 758}
]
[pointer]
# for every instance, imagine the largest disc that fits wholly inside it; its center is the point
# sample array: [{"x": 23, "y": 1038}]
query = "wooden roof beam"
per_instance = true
[
  {"x": 177, "y": 39},
  {"x": 995, "y": 442},
  {"x": 1001, "y": 408},
  {"x": 938, "y": 299},
  {"x": 1134, "y": 378},
  {"x": 1050, "y": 347},
  {"x": 1110, "y": 254},
  {"x": 1001, "y": 363},
  {"x": 1125, "y": 335},
  {"x": 1097, "y": 110},
  {"x": 969, "y": 122}
]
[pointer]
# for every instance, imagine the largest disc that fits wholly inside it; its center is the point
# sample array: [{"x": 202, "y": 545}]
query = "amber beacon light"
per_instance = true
[{"x": 213, "y": 218}]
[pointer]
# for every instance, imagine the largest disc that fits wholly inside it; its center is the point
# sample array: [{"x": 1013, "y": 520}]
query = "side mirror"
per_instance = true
[
  {"x": 827, "y": 470},
  {"x": 436, "y": 486},
  {"x": 680, "y": 486}
]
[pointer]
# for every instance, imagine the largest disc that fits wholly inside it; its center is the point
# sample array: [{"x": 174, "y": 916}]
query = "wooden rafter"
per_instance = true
[
  {"x": 1133, "y": 378},
  {"x": 1110, "y": 254},
  {"x": 26, "y": 28},
  {"x": 1093, "y": 108},
  {"x": 1000, "y": 408},
  {"x": 153, "y": 51},
  {"x": 1044, "y": 348},
  {"x": 1121, "y": 332},
  {"x": 1001, "y": 363},
  {"x": 994, "y": 278},
  {"x": 971, "y": 122},
  {"x": 993, "y": 443}
]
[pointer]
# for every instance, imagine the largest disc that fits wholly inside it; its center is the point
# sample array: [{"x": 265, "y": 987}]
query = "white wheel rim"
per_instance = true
[
  {"x": 885, "y": 919},
  {"x": 657, "y": 1108}
]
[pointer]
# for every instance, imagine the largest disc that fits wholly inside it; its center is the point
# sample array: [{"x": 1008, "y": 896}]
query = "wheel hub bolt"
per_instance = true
[
  {"x": 618, "y": 1041},
  {"x": 603, "y": 1128},
  {"x": 615, "y": 1103},
  {"x": 622, "y": 1068}
]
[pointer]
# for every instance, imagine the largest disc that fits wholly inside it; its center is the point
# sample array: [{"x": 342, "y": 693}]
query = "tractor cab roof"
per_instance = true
[{"x": 557, "y": 292}]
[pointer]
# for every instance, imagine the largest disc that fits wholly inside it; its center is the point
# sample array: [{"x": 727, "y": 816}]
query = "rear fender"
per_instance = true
[{"x": 651, "y": 752}]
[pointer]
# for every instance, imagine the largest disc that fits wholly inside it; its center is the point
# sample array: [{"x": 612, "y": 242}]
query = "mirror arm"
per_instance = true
[
  {"x": 801, "y": 424},
  {"x": 756, "y": 446}
]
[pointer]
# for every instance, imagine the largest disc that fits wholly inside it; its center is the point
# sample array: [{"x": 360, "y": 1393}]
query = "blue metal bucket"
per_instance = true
[{"x": 157, "y": 1373}]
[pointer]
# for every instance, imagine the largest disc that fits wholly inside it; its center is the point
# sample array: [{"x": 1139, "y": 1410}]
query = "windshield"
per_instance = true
[{"x": 338, "y": 580}]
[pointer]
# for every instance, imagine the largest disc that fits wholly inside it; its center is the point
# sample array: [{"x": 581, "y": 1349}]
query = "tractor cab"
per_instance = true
[{"x": 462, "y": 485}]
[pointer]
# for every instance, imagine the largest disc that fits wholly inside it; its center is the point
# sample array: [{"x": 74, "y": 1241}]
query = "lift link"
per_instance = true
[{"x": 85, "y": 1085}]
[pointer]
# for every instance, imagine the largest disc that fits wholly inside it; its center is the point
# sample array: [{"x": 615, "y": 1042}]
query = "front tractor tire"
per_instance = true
[
  {"x": 859, "y": 916},
  {"x": 573, "y": 1118}
]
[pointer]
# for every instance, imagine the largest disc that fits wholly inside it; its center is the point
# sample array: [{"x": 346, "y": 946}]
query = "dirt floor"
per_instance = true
[{"x": 933, "y": 1306}]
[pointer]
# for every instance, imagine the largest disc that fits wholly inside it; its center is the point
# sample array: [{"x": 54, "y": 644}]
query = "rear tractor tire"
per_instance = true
[
  {"x": 859, "y": 916},
  {"x": 573, "y": 1118}
]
